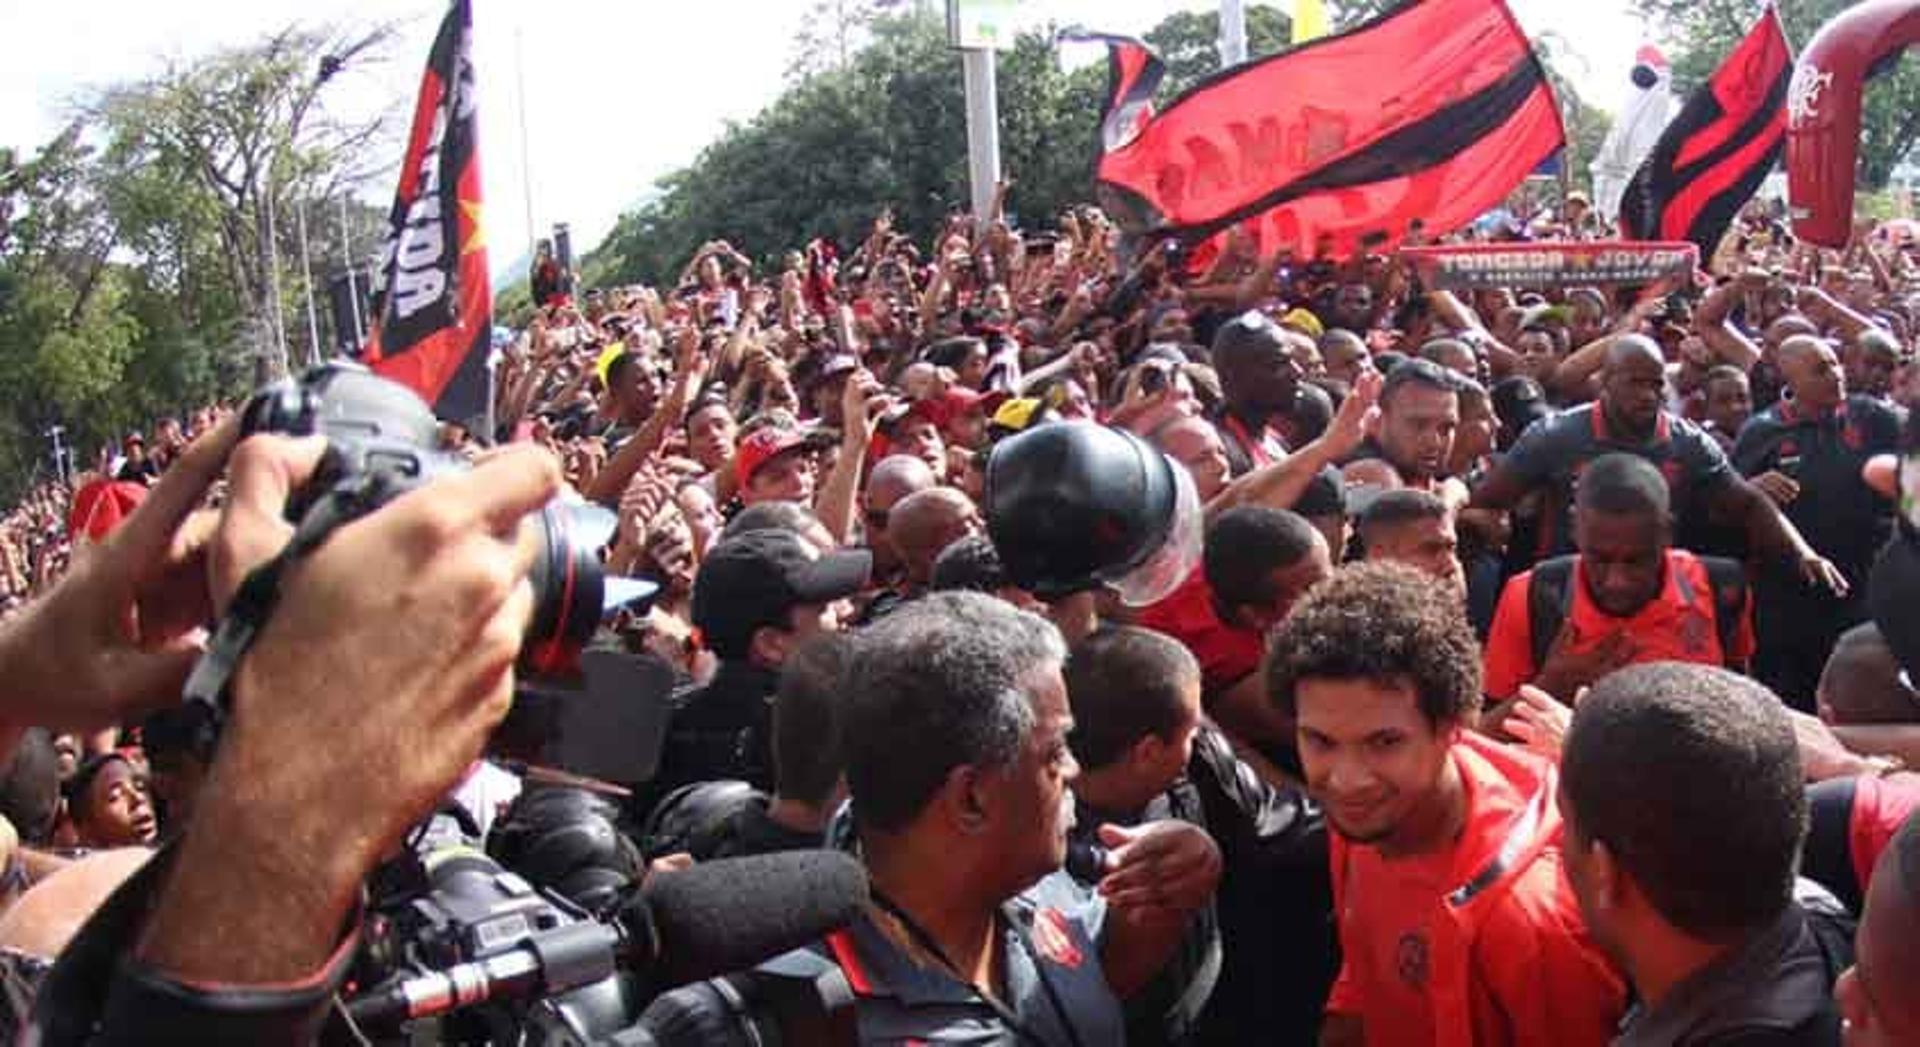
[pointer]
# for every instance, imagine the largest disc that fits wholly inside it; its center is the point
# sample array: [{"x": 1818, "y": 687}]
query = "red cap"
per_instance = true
[
  {"x": 99, "y": 507},
  {"x": 953, "y": 404},
  {"x": 761, "y": 447}
]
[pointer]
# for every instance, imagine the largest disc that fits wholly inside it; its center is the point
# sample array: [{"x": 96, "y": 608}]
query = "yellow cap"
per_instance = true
[
  {"x": 607, "y": 357},
  {"x": 1304, "y": 322}
]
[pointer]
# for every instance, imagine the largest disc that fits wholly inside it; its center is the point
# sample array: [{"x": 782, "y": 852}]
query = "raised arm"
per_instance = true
[{"x": 1711, "y": 321}]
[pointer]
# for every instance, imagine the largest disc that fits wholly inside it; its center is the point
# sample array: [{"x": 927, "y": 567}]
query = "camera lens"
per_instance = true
[{"x": 569, "y": 584}]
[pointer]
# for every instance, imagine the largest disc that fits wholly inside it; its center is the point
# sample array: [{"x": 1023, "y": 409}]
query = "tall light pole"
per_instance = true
[
  {"x": 1233, "y": 33},
  {"x": 306, "y": 267},
  {"x": 353, "y": 290},
  {"x": 983, "y": 130},
  {"x": 976, "y": 32}
]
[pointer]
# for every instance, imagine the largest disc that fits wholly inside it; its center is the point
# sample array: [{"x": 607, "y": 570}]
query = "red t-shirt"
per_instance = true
[
  {"x": 1880, "y": 807},
  {"x": 1227, "y": 653},
  {"x": 1514, "y": 966},
  {"x": 1675, "y": 626}
]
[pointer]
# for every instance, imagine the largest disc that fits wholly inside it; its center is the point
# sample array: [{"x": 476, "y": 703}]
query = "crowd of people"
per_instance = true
[{"x": 1523, "y": 689}]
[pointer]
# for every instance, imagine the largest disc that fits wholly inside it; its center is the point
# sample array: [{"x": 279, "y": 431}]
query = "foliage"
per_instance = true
[
  {"x": 1702, "y": 32},
  {"x": 1189, "y": 43},
  {"x": 136, "y": 269},
  {"x": 888, "y": 128}
]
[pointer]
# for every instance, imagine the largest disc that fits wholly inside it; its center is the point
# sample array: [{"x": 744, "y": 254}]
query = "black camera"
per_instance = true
[{"x": 383, "y": 440}]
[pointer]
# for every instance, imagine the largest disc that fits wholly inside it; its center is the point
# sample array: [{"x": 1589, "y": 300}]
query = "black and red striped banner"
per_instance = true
[
  {"x": 1433, "y": 112},
  {"x": 1713, "y": 156}
]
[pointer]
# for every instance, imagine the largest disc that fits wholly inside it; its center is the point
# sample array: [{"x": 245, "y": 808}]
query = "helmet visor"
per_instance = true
[{"x": 1156, "y": 577}]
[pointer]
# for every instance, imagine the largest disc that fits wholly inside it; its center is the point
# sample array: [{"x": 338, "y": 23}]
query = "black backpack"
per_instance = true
[{"x": 1550, "y": 600}]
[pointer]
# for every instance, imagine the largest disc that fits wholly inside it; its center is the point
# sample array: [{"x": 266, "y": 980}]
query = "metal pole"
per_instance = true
[
  {"x": 1233, "y": 32},
  {"x": 61, "y": 468},
  {"x": 278, "y": 367},
  {"x": 526, "y": 151},
  {"x": 493, "y": 393},
  {"x": 983, "y": 130},
  {"x": 306, "y": 266},
  {"x": 353, "y": 290}
]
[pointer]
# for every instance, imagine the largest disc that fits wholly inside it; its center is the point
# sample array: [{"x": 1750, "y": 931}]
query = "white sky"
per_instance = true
[{"x": 618, "y": 92}]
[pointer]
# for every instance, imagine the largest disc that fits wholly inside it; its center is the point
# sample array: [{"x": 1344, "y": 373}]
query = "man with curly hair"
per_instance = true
[{"x": 1456, "y": 923}]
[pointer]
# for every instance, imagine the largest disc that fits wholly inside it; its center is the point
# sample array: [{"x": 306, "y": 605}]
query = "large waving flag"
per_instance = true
[
  {"x": 433, "y": 310},
  {"x": 1433, "y": 112},
  {"x": 1713, "y": 155}
]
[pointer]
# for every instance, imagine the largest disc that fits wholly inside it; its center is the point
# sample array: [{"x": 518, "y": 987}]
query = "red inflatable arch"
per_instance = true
[{"x": 1823, "y": 112}]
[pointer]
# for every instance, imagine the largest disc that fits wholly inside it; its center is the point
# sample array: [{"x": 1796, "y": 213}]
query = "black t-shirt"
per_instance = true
[
  {"x": 1838, "y": 514},
  {"x": 1554, "y": 450},
  {"x": 1272, "y": 915}
]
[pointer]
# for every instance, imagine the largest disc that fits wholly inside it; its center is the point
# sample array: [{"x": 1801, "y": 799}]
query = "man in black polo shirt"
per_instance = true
[
  {"x": 1630, "y": 417},
  {"x": 955, "y": 737},
  {"x": 1806, "y": 453},
  {"x": 1685, "y": 810}
]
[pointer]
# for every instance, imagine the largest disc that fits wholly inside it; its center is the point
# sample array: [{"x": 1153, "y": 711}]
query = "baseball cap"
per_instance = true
[
  {"x": 762, "y": 446},
  {"x": 1303, "y": 321},
  {"x": 955, "y": 402},
  {"x": 100, "y": 506},
  {"x": 754, "y": 578}
]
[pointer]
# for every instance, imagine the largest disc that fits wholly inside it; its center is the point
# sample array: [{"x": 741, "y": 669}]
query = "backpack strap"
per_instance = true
[
  {"x": 1549, "y": 601},
  {"x": 1728, "y": 579}
]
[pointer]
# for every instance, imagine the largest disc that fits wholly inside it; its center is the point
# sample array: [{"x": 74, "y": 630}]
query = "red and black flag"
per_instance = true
[
  {"x": 1434, "y": 112},
  {"x": 1713, "y": 156},
  {"x": 433, "y": 305}
]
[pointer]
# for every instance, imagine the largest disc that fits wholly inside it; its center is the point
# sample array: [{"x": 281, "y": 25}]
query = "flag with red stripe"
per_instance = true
[
  {"x": 433, "y": 305},
  {"x": 1434, "y": 111},
  {"x": 1711, "y": 159}
]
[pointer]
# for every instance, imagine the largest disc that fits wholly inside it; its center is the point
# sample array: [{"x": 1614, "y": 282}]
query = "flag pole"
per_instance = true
[{"x": 526, "y": 163}]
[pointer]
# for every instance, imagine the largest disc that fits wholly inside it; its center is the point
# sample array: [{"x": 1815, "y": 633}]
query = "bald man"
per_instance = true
[
  {"x": 1806, "y": 454},
  {"x": 1260, "y": 368},
  {"x": 1631, "y": 417},
  {"x": 891, "y": 479},
  {"x": 920, "y": 527},
  {"x": 1871, "y": 360}
]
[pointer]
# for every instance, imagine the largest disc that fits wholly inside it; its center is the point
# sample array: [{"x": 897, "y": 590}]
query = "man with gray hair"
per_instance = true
[{"x": 955, "y": 738}]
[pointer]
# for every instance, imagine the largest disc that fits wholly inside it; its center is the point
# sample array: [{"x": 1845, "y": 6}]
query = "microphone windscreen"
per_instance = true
[{"x": 732, "y": 913}]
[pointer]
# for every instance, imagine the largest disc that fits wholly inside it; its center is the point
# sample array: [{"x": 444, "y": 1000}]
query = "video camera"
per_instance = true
[{"x": 486, "y": 957}]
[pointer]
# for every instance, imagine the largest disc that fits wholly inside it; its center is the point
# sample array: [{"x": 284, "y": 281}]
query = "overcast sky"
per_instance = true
[{"x": 618, "y": 92}]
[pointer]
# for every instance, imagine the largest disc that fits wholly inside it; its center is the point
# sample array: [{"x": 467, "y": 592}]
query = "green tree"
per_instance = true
[
  {"x": 207, "y": 160},
  {"x": 1189, "y": 43},
  {"x": 136, "y": 265},
  {"x": 1702, "y": 32}
]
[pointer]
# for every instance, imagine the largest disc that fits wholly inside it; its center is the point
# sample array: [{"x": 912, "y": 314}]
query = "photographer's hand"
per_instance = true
[
  {"x": 115, "y": 638},
  {"x": 373, "y": 687}
]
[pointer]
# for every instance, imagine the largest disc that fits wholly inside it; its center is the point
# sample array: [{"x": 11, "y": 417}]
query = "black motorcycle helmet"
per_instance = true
[{"x": 1073, "y": 506}]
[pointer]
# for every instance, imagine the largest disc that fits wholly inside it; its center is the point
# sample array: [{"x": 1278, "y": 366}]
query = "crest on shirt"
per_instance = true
[
  {"x": 1052, "y": 939},
  {"x": 1410, "y": 959}
]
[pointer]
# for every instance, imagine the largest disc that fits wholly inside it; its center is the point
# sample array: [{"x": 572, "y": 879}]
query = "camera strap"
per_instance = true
[{"x": 207, "y": 687}]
